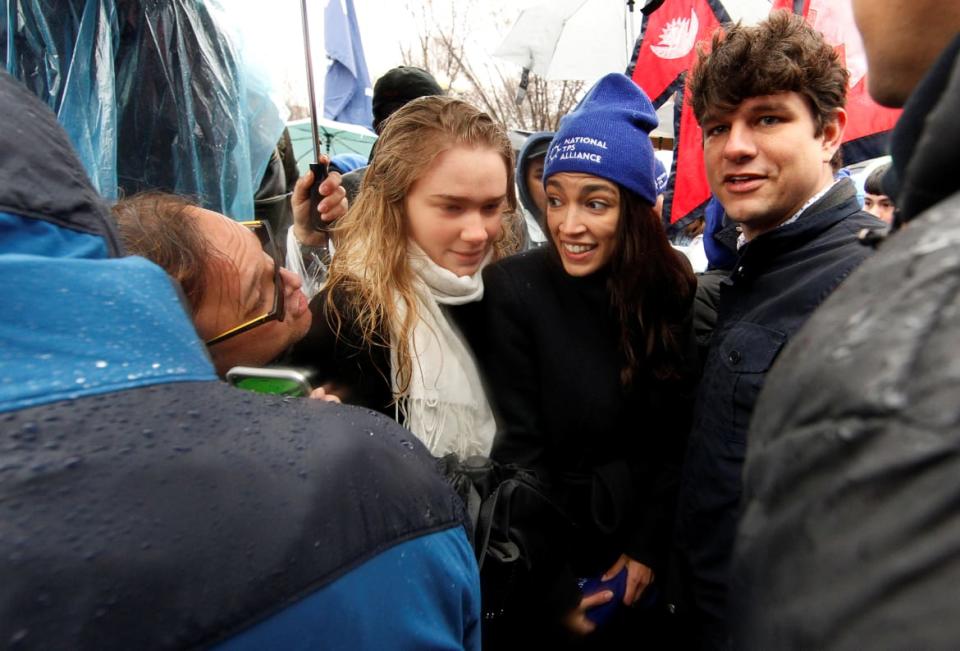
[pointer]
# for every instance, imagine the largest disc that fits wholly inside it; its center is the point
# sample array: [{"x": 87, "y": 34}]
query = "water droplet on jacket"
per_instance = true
[
  {"x": 407, "y": 444},
  {"x": 101, "y": 363},
  {"x": 840, "y": 353},
  {"x": 894, "y": 399}
]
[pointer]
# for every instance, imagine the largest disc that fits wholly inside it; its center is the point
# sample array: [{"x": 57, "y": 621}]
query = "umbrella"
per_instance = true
[
  {"x": 571, "y": 39},
  {"x": 335, "y": 137}
]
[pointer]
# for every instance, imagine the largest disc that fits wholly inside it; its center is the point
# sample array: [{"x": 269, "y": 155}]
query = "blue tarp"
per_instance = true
[{"x": 154, "y": 95}]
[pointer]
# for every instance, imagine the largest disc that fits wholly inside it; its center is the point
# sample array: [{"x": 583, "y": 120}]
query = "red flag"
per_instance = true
[
  {"x": 665, "y": 51},
  {"x": 667, "y": 44},
  {"x": 690, "y": 188},
  {"x": 796, "y": 6}
]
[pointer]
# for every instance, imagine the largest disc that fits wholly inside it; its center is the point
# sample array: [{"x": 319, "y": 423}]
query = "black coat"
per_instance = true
[
  {"x": 780, "y": 278},
  {"x": 549, "y": 347},
  {"x": 850, "y": 535},
  {"x": 341, "y": 361}
]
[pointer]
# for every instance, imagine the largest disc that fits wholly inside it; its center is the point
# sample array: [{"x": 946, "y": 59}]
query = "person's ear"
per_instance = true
[{"x": 832, "y": 135}]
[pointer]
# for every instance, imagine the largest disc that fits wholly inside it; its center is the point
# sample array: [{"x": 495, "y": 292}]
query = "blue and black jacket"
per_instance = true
[{"x": 145, "y": 504}]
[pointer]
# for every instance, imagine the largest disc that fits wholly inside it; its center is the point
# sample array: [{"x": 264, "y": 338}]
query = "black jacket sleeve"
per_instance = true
[
  {"x": 343, "y": 363},
  {"x": 508, "y": 357}
]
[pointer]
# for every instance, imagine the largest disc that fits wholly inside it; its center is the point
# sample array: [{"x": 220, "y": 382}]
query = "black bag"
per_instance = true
[{"x": 515, "y": 528}]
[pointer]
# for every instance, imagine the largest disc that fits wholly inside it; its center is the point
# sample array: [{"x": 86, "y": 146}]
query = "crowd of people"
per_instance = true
[{"x": 753, "y": 455}]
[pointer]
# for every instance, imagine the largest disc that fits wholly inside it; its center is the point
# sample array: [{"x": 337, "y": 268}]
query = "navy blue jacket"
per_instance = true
[
  {"x": 145, "y": 504},
  {"x": 779, "y": 279}
]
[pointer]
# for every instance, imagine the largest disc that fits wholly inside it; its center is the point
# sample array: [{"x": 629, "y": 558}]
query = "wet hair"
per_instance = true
[
  {"x": 154, "y": 225},
  {"x": 781, "y": 54},
  {"x": 874, "y": 182},
  {"x": 371, "y": 270}
]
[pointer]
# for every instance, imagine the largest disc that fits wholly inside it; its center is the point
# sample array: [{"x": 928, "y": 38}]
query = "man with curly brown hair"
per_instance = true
[
  {"x": 850, "y": 525},
  {"x": 770, "y": 100}
]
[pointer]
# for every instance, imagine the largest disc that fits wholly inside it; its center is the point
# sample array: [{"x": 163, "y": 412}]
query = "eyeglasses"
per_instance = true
[{"x": 265, "y": 234}]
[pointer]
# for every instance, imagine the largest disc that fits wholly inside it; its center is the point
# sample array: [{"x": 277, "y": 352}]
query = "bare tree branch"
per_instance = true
[{"x": 442, "y": 49}]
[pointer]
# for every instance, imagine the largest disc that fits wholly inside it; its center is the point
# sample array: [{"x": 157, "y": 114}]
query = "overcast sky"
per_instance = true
[{"x": 273, "y": 33}]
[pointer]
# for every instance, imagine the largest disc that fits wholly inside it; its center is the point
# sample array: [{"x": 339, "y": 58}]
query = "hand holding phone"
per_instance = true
[{"x": 616, "y": 584}]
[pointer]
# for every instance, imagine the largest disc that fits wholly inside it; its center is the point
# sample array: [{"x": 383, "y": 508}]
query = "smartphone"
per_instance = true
[{"x": 274, "y": 380}]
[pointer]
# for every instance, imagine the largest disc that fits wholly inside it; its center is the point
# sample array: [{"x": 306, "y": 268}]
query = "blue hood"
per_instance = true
[{"x": 78, "y": 319}]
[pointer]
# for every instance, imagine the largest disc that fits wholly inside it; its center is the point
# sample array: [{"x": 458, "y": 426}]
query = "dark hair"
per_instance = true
[
  {"x": 651, "y": 289},
  {"x": 781, "y": 54},
  {"x": 874, "y": 182},
  {"x": 153, "y": 225}
]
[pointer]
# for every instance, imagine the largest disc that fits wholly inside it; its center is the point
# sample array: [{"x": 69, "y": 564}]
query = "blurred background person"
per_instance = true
[
  {"x": 533, "y": 197},
  {"x": 876, "y": 200}
]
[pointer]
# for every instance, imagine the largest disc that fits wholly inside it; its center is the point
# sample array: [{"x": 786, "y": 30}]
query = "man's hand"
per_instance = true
[
  {"x": 333, "y": 206},
  {"x": 639, "y": 576},
  {"x": 577, "y": 621}
]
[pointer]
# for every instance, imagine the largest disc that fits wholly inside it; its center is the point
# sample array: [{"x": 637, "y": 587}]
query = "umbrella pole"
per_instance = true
[{"x": 319, "y": 170}]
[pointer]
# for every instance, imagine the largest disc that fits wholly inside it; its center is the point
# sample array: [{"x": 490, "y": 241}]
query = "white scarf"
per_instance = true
[{"x": 444, "y": 405}]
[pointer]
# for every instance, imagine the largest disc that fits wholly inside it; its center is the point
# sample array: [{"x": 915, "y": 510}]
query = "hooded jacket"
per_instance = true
[
  {"x": 780, "y": 277},
  {"x": 145, "y": 504},
  {"x": 535, "y": 145},
  {"x": 850, "y": 533}
]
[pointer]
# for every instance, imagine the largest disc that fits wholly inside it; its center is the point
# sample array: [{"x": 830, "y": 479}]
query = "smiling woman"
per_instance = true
[
  {"x": 588, "y": 354},
  {"x": 431, "y": 213}
]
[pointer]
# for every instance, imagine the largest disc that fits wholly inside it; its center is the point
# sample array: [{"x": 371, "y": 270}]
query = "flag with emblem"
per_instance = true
[{"x": 666, "y": 49}]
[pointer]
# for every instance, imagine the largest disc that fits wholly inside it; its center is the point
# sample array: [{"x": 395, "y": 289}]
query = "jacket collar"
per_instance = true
[
  {"x": 77, "y": 321},
  {"x": 833, "y": 207},
  {"x": 926, "y": 140}
]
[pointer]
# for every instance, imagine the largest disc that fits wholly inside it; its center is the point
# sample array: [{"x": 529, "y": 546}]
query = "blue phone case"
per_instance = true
[{"x": 618, "y": 584}]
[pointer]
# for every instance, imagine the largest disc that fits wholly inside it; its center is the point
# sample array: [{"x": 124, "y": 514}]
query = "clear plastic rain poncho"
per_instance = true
[{"x": 154, "y": 94}]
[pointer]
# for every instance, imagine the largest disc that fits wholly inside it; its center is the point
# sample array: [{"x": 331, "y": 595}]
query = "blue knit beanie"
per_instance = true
[{"x": 607, "y": 135}]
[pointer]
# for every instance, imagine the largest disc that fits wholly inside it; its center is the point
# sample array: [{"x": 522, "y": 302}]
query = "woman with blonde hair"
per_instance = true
[{"x": 430, "y": 215}]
